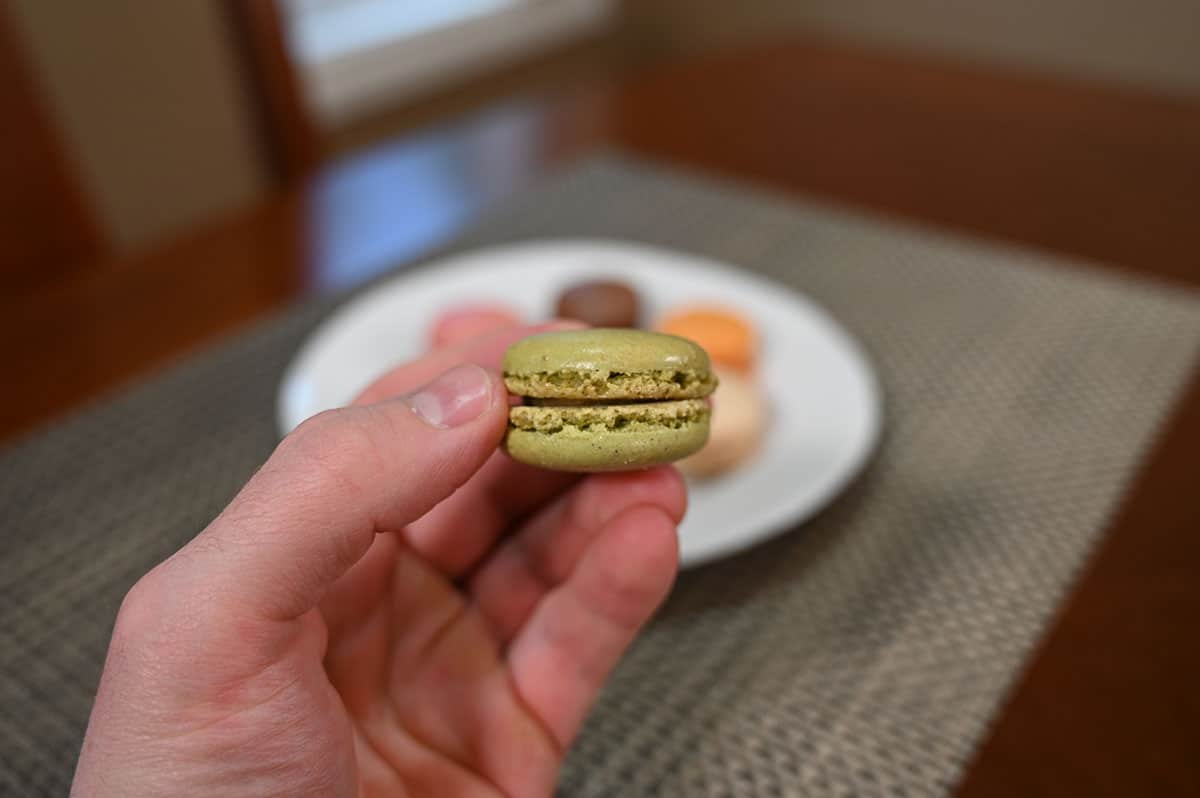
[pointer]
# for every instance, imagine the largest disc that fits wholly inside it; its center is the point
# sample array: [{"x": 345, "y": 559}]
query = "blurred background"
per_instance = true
[
  {"x": 223, "y": 157},
  {"x": 155, "y": 123},
  {"x": 174, "y": 171}
]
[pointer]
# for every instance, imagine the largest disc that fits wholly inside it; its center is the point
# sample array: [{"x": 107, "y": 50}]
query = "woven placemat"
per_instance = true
[{"x": 860, "y": 655}]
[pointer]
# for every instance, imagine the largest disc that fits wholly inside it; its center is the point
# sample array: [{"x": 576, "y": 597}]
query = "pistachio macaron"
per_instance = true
[{"x": 606, "y": 399}]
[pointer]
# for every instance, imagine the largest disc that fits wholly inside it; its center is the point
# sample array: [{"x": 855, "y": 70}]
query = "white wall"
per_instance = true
[
  {"x": 149, "y": 100},
  {"x": 1151, "y": 43}
]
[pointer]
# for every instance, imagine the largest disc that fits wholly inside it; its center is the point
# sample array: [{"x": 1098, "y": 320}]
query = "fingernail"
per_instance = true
[{"x": 454, "y": 398}]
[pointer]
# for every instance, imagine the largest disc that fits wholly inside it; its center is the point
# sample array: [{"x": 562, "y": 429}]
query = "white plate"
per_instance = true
[{"x": 824, "y": 399}]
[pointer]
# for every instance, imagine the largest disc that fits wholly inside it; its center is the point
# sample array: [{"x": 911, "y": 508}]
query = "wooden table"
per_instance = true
[{"x": 1110, "y": 704}]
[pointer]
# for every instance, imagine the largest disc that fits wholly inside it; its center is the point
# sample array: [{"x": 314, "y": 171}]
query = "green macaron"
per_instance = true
[{"x": 606, "y": 400}]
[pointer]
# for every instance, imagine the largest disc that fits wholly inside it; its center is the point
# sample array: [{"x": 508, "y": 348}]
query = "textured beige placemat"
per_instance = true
[{"x": 860, "y": 655}]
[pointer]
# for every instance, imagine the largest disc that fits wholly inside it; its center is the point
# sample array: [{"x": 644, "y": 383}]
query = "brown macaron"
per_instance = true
[{"x": 600, "y": 303}]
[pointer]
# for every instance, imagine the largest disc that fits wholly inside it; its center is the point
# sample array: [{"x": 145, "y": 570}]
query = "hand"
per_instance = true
[{"x": 389, "y": 607}]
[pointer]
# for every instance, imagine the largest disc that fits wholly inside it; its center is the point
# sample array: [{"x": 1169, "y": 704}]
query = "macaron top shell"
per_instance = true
[{"x": 607, "y": 364}]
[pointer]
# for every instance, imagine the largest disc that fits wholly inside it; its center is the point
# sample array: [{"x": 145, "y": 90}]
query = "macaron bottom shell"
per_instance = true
[{"x": 589, "y": 449}]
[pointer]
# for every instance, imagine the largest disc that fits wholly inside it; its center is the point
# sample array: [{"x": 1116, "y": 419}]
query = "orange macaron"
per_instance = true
[{"x": 729, "y": 338}]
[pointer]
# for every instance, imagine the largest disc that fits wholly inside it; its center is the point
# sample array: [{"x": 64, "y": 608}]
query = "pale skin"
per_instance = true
[{"x": 390, "y": 607}]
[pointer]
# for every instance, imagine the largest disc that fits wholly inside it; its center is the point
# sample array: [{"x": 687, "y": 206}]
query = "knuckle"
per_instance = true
[
  {"x": 316, "y": 436},
  {"x": 336, "y": 449},
  {"x": 140, "y": 610},
  {"x": 334, "y": 439},
  {"x": 166, "y": 618}
]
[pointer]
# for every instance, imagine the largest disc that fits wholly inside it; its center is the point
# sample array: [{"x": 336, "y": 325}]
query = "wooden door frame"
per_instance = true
[
  {"x": 289, "y": 134},
  {"x": 56, "y": 229}
]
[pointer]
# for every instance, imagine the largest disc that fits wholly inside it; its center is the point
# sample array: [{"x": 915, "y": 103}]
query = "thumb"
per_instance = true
[{"x": 314, "y": 508}]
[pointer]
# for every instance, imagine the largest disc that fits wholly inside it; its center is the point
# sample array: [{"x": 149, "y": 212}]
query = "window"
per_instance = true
[{"x": 356, "y": 55}]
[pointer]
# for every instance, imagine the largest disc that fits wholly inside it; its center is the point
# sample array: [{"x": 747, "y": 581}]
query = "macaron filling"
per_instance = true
[
  {"x": 597, "y": 383},
  {"x": 552, "y": 419}
]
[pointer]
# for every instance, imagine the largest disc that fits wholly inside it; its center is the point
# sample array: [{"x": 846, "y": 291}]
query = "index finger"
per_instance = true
[{"x": 486, "y": 350}]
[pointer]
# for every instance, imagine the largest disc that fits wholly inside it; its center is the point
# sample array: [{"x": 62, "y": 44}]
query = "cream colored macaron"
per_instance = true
[{"x": 737, "y": 430}]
